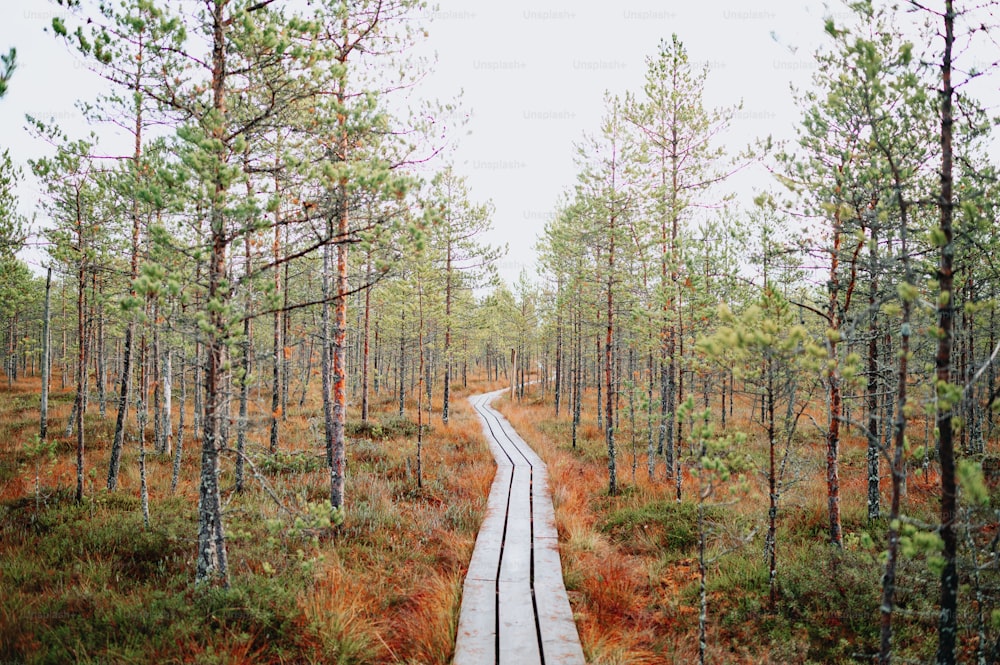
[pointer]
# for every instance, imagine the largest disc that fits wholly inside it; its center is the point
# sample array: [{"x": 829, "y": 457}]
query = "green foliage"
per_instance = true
[
  {"x": 319, "y": 515},
  {"x": 8, "y": 63},
  {"x": 286, "y": 463},
  {"x": 41, "y": 449},
  {"x": 972, "y": 482},
  {"x": 841, "y": 586},
  {"x": 672, "y": 526},
  {"x": 382, "y": 430},
  {"x": 12, "y": 224}
]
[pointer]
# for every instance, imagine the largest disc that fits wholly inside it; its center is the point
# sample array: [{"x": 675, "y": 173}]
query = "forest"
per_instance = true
[{"x": 234, "y": 415}]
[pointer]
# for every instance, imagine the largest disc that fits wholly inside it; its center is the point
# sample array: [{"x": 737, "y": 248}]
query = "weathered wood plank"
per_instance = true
[
  {"x": 476, "y": 639},
  {"x": 486, "y": 554},
  {"x": 544, "y": 515},
  {"x": 560, "y": 639},
  {"x": 516, "y": 564},
  {"x": 518, "y": 636}
]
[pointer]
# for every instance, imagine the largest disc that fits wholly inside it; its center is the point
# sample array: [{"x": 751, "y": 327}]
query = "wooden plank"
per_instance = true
[
  {"x": 486, "y": 554},
  {"x": 518, "y": 635},
  {"x": 544, "y": 514},
  {"x": 476, "y": 640},
  {"x": 560, "y": 638},
  {"x": 516, "y": 562},
  {"x": 496, "y": 448}
]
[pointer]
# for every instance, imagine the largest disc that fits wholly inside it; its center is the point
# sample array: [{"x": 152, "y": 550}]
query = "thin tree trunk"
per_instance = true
[
  {"x": 650, "y": 445},
  {"x": 420, "y": 417},
  {"x": 179, "y": 449},
  {"x": 247, "y": 350},
  {"x": 898, "y": 463},
  {"x": 81, "y": 376},
  {"x": 100, "y": 364},
  {"x": 277, "y": 343},
  {"x": 447, "y": 335},
  {"x": 157, "y": 383},
  {"x": 286, "y": 365},
  {"x": 702, "y": 576},
  {"x": 366, "y": 334},
  {"x": 608, "y": 370},
  {"x": 872, "y": 388},
  {"x": 338, "y": 461},
  {"x": 213, "y": 565},
  {"x": 835, "y": 404},
  {"x": 143, "y": 486},
  {"x": 167, "y": 402},
  {"x": 43, "y": 409},
  {"x": 578, "y": 400},
  {"x": 559, "y": 354},
  {"x": 243, "y": 420},
  {"x": 948, "y": 621},
  {"x": 327, "y": 360},
  {"x": 631, "y": 409},
  {"x": 401, "y": 367}
]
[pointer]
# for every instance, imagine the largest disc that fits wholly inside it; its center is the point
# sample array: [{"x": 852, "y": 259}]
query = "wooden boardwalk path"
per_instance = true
[{"x": 514, "y": 604}]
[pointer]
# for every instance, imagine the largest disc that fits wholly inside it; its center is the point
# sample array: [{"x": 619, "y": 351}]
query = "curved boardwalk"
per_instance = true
[{"x": 514, "y": 604}]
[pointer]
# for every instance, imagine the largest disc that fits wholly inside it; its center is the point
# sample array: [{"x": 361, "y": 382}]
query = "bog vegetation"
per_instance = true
[{"x": 232, "y": 419}]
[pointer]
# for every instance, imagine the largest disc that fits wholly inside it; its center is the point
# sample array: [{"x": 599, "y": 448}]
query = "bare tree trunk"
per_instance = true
[
  {"x": 12, "y": 350},
  {"x": 247, "y": 351},
  {"x": 898, "y": 463},
  {"x": 679, "y": 443},
  {"x": 143, "y": 486},
  {"x": 286, "y": 365},
  {"x": 835, "y": 404},
  {"x": 43, "y": 409},
  {"x": 609, "y": 415},
  {"x": 100, "y": 363},
  {"x": 64, "y": 374},
  {"x": 702, "y": 574},
  {"x": 631, "y": 409},
  {"x": 157, "y": 383},
  {"x": 337, "y": 460},
  {"x": 243, "y": 421},
  {"x": 179, "y": 449},
  {"x": 771, "y": 542},
  {"x": 872, "y": 387},
  {"x": 559, "y": 354},
  {"x": 277, "y": 343},
  {"x": 81, "y": 375},
  {"x": 199, "y": 384},
  {"x": 366, "y": 333},
  {"x": 948, "y": 622},
  {"x": 447, "y": 333},
  {"x": 650, "y": 388},
  {"x": 513, "y": 373},
  {"x": 578, "y": 379},
  {"x": 420, "y": 416},
  {"x": 167, "y": 405},
  {"x": 327, "y": 357}
]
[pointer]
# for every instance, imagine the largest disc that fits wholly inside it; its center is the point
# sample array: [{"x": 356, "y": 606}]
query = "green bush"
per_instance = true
[
  {"x": 834, "y": 595},
  {"x": 668, "y": 525},
  {"x": 289, "y": 463}
]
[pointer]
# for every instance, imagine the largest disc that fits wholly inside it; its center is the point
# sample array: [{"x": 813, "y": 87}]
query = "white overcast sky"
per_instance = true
[{"x": 532, "y": 77}]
